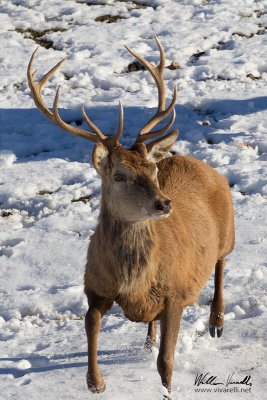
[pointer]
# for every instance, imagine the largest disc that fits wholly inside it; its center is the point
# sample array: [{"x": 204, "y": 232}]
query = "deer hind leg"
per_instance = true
[
  {"x": 151, "y": 339},
  {"x": 169, "y": 327},
  {"x": 97, "y": 308},
  {"x": 217, "y": 306}
]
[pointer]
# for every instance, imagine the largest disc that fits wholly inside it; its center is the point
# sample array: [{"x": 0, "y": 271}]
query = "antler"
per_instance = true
[
  {"x": 36, "y": 89},
  {"x": 161, "y": 113}
]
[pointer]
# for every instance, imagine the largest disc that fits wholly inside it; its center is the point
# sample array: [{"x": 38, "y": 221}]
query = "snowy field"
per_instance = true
[{"x": 50, "y": 193}]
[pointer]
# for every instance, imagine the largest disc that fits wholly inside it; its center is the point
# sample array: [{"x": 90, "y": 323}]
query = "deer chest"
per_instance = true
[{"x": 144, "y": 308}]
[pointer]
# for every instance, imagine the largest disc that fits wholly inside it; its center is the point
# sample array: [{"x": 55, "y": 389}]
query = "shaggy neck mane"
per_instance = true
[{"x": 130, "y": 244}]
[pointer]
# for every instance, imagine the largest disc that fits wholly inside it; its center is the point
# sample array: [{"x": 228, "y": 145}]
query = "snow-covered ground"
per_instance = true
[{"x": 49, "y": 192}]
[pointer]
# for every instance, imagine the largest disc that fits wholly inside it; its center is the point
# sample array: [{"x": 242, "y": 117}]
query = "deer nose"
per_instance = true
[{"x": 163, "y": 205}]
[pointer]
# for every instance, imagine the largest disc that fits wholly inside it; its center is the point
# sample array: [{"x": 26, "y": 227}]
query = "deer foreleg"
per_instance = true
[
  {"x": 169, "y": 327},
  {"x": 151, "y": 339},
  {"x": 97, "y": 308},
  {"x": 217, "y": 306}
]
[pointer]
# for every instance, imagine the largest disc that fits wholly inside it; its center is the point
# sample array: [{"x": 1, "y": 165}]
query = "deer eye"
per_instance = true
[
  {"x": 141, "y": 184},
  {"x": 119, "y": 177}
]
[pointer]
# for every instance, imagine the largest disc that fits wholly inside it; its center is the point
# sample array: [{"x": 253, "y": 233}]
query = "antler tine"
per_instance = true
[
  {"x": 36, "y": 89},
  {"x": 50, "y": 73},
  {"x": 151, "y": 135},
  {"x": 161, "y": 65},
  {"x": 120, "y": 126},
  {"x": 156, "y": 72},
  {"x": 158, "y": 117},
  {"x": 92, "y": 125},
  {"x": 71, "y": 129},
  {"x": 161, "y": 113}
]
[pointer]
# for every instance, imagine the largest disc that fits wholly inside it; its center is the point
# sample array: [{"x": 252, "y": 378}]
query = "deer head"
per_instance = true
[{"x": 129, "y": 176}]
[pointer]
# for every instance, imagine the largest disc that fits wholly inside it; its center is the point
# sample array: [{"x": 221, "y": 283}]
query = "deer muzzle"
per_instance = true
[{"x": 163, "y": 205}]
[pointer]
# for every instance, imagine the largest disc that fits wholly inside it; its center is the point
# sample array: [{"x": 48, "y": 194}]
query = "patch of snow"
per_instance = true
[{"x": 50, "y": 193}]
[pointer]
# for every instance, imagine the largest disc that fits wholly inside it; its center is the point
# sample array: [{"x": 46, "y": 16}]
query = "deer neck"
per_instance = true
[
  {"x": 130, "y": 245},
  {"x": 134, "y": 239}
]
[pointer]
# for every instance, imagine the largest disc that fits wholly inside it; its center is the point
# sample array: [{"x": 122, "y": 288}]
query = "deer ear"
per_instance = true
[
  {"x": 157, "y": 149},
  {"x": 99, "y": 157}
]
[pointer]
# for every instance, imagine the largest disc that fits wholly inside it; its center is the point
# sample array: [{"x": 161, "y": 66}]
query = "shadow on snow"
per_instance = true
[
  {"x": 31, "y": 136},
  {"x": 41, "y": 364}
]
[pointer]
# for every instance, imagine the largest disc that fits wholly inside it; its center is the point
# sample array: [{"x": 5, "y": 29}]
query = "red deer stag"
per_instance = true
[{"x": 164, "y": 224}]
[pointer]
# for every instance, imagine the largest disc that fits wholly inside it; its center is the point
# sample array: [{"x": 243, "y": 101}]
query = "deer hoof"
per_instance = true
[
  {"x": 216, "y": 324},
  {"x": 219, "y": 331},
  {"x": 212, "y": 331},
  {"x": 215, "y": 330},
  {"x": 167, "y": 396},
  {"x": 93, "y": 386}
]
